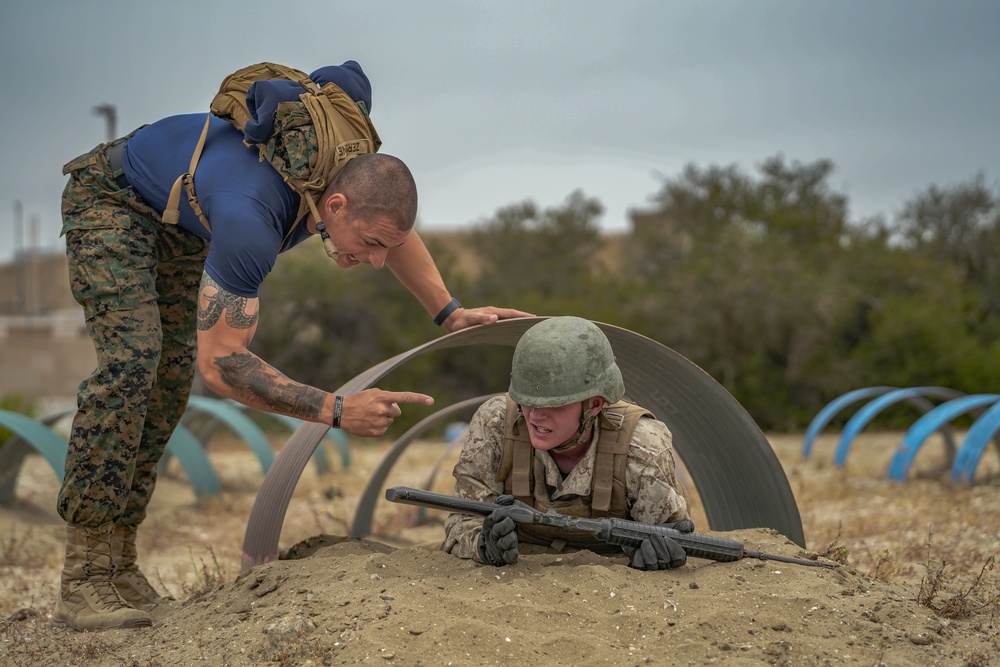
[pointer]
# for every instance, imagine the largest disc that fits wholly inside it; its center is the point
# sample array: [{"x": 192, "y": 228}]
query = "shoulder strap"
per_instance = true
[
  {"x": 172, "y": 214},
  {"x": 618, "y": 422},
  {"x": 515, "y": 469}
]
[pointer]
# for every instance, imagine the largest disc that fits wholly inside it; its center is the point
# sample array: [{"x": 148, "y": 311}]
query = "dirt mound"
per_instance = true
[{"x": 394, "y": 599}]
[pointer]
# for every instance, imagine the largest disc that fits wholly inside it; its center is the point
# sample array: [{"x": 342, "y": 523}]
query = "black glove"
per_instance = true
[
  {"x": 657, "y": 552},
  {"x": 497, "y": 543},
  {"x": 682, "y": 526}
]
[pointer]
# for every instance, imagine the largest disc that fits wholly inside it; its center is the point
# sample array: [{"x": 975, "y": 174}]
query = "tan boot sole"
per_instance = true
[
  {"x": 63, "y": 617},
  {"x": 133, "y": 623}
]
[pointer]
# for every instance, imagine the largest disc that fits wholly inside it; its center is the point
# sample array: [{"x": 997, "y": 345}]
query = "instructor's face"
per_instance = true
[{"x": 362, "y": 241}]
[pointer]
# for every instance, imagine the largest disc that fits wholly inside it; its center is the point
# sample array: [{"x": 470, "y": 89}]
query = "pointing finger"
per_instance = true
[{"x": 409, "y": 397}]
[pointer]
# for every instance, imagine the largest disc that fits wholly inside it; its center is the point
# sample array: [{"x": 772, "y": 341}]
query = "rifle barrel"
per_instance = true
[
  {"x": 437, "y": 501},
  {"x": 760, "y": 555}
]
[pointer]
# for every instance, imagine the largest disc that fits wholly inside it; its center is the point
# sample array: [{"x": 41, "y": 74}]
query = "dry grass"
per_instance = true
[{"x": 926, "y": 528}]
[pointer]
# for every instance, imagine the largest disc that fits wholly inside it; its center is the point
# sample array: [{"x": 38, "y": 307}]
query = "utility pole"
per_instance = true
[
  {"x": 19, "y": 257},
  {"x": 111, "y": 114}
]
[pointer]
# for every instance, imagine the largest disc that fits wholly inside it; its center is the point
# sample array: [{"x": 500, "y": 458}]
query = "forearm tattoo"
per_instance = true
[
  {"x": 235, "y": 308},
  {"x": 256, "y": 381}
]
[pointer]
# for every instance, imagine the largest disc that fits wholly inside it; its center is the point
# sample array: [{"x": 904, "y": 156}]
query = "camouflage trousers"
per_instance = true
[{"x": 137, "y": 280}]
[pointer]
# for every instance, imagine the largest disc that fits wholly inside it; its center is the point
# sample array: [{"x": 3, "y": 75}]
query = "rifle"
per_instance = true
[{"x": 612, "y": 531}]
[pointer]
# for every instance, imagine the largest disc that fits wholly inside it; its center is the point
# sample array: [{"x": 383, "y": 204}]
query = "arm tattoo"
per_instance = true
[
  {"x": 223, "y": 302},
  {"x": 255, "y": 380}
]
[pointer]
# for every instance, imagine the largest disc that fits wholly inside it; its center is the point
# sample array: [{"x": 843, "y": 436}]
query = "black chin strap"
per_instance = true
[{"x": 587, "y": 422}]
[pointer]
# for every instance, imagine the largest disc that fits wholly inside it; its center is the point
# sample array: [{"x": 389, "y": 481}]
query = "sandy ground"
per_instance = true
[{"x": 917, "y": 586}]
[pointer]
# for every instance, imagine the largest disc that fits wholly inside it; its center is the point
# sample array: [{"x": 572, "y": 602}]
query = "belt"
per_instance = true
[{"x": 116, "y": 155}]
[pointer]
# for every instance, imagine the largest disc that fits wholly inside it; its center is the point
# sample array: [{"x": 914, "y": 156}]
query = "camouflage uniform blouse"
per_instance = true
[{"x": 653, "y": 493}]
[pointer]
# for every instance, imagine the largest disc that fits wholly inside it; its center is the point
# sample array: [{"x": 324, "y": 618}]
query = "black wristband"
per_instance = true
[
  {"x": 338, "y": 408},
  {"x": 452, "y": 306}
]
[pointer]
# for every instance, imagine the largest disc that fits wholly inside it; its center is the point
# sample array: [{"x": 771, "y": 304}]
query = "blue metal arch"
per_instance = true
[
  {"x": 200, "y": 473},
  {"x": 182, "y": 444},
  {"x": 930, "y": 422},
  {"x": 253, "y": 434},
  {"x": 361, "y": 526},
  {"x": 971, "y": 451},
  {"x": 241, "y": 424},
  {"x": 192, "y": 457},
  {"x": 830, "y": 410},
  {"x": 868, "y": 412},
  {"x": 189, "y": 452},
  {"x": 29, "y": 435}
]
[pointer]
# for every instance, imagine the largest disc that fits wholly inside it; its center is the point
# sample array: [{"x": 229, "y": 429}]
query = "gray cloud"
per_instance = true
[{"x": 493, "y": 103}]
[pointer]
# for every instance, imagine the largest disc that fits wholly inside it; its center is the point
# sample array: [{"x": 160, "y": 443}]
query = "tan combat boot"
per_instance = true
[
  {"x": 87, "y": 598},
  {"x": 129, "y": 579}
]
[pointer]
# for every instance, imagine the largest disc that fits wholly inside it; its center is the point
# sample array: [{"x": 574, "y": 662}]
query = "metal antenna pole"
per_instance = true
[{"x": 111, "y": 114}]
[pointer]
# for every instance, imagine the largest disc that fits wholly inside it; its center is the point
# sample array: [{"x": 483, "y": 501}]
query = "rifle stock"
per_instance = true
[{"x": 614, "y": 531}]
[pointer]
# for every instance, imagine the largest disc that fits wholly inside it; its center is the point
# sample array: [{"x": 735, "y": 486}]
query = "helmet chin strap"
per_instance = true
[
  {"x": 328, "y": 245},
  {"x": 587, "y": 422}
]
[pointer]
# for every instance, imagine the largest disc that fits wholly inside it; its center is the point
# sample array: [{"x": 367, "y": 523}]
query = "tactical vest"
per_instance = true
[
  {"x": 521, "y": 474},
  {"x": 312, "y": 138}
]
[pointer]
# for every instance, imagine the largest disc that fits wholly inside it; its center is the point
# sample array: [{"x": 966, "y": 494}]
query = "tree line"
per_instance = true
[{"x": 760, "y": 278}]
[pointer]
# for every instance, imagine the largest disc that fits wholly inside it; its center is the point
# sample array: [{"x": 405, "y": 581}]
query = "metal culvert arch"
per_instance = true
[
  {"x": 363, "y": 516},
  {"x": 737, "y": 475},
  {"x": 30, "y": 434}
]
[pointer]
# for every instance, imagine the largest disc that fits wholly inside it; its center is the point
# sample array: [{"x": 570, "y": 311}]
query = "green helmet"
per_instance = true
[{"x": 563, "y": 360}]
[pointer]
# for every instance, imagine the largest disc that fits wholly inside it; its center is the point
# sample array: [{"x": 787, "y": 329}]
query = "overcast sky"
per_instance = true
[{"x": 492, "y": 103}]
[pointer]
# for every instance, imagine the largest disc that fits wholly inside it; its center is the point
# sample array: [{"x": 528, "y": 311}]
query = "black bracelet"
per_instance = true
[
  {"x": 452, "y": 306},
  {"x": 338, "y": 408}
]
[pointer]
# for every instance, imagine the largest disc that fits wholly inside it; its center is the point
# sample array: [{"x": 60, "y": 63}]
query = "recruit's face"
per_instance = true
[{"x": 550, "y": 427}]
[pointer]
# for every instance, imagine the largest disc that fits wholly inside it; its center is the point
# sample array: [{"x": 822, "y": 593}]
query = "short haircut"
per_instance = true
[{"x": 379, "y": 186}]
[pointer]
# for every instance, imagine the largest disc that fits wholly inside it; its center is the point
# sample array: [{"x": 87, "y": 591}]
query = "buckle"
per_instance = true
[{"x": 116, "y": 155}]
